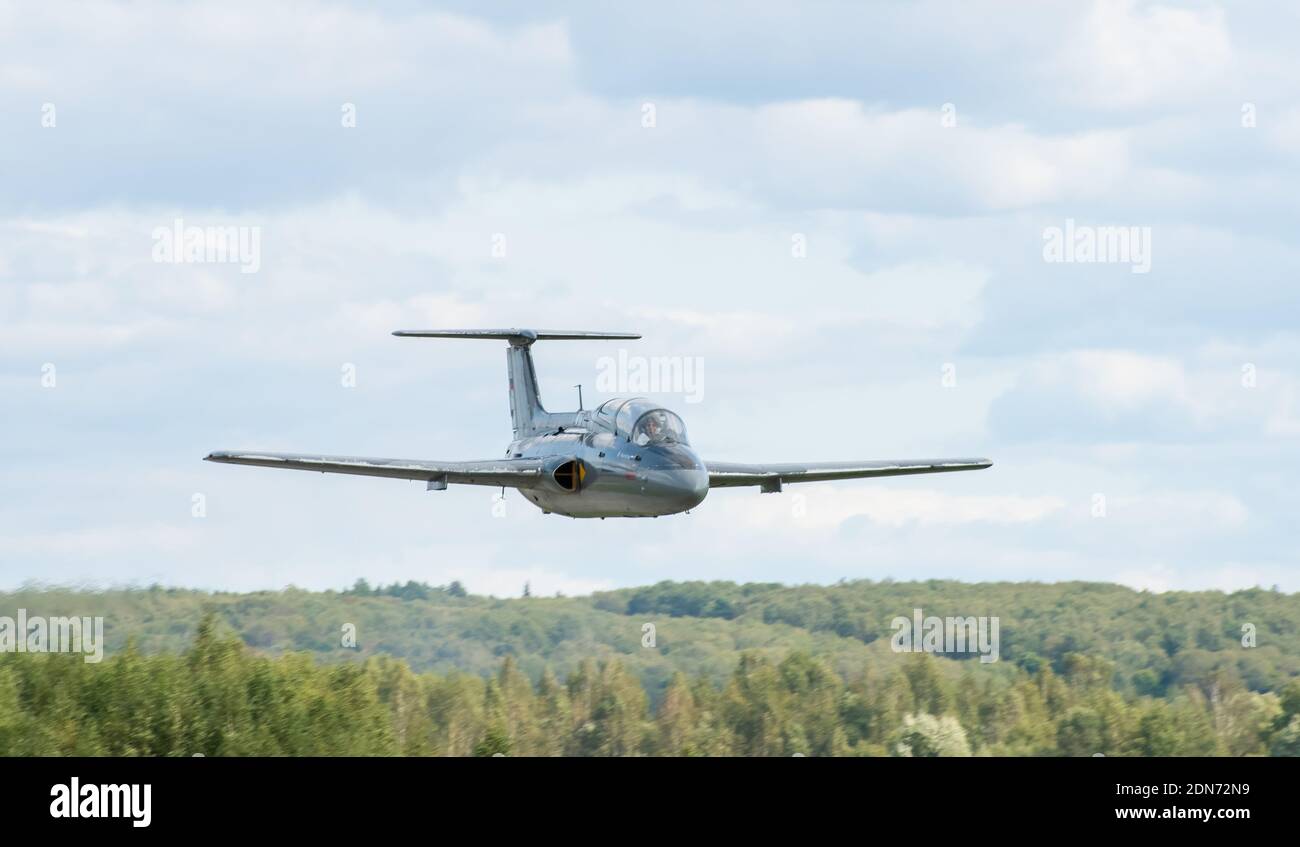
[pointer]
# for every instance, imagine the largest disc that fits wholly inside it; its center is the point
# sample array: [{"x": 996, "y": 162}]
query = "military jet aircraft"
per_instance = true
[{"x": 627, "y": 458}]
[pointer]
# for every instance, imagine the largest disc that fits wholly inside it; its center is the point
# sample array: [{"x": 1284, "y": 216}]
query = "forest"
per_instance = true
[{"x": 725, "y": 669}]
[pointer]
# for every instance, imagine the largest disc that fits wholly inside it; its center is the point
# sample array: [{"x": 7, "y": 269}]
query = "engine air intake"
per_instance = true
[{"x": 570, "y": 475}]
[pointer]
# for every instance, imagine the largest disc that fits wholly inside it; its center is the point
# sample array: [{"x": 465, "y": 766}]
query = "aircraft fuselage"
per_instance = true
[{"x": 594, "y": 472}]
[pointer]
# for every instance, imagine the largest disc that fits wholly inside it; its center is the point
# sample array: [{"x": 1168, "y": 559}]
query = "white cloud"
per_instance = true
[
  {"x": 1128, "y": 54},
  {"x": 1120, "y": 379},
  {"x": 820, "y": 507},
  {"x": 845, "y": 152},
  {"x": 1232, "y": 576},
  {"x": 1163, "y": 513},
  {"x": 1125, "y": 395},
  {"x": 93, "y": 543},
  {"x": 272, "y": 53}
]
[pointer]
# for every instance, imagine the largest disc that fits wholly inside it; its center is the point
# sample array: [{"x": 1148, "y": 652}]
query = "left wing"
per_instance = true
[
  {"x": 771, "y": 477},
  {"x": 514, "y": 473}
]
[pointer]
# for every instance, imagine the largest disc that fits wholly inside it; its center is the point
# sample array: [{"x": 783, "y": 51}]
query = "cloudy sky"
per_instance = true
[{"x": 840, "y": 210}]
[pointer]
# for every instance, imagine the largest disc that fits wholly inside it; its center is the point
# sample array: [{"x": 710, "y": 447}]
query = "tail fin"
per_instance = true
[{"x": 526, "y": 412}]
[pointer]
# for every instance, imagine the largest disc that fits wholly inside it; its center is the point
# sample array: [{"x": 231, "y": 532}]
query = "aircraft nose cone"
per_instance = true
[
  {"x": 699, "y": 486},
  {"x": 687, "y": 489},
  {"x": 682, "y": 481}
]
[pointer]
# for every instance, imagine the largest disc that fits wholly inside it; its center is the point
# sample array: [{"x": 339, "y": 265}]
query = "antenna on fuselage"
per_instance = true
[{"x": 579, "y": 387}]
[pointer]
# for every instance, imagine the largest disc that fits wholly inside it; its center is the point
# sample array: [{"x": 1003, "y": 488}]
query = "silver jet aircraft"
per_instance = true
[{"x": 627, "y": 458}]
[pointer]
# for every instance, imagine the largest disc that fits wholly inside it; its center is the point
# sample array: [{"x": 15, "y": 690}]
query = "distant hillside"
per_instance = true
[
  {"x": 1156, "y": 642},
  {"x": 752, "y": 670}
]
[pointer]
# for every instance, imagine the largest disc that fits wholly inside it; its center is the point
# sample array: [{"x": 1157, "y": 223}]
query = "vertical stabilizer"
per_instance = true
[{"x": 526, "y": 413}]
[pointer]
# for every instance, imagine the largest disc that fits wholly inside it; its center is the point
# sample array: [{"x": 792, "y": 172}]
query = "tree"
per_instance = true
[
  {"x": 931, "y": 736},
  {"x": 1081, "y": 732},
  {"x": 1286, "y": 741},
  {"x": 1157, "y": 733},
  {"x": 495, "y": 742},
  {"x": 1243, "y": 720},
  {"x": 677, "y": 718}
]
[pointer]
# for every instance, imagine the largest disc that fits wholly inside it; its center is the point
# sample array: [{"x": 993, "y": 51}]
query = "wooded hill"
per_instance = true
[{"x": 740, "y": 669}]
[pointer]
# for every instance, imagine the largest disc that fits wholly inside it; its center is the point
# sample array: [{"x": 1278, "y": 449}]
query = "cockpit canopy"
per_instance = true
[
  {"x": 644, "y": 422},
  {"x": 659, "y": 426}
]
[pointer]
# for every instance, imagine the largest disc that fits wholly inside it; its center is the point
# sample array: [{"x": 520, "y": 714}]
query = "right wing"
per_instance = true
[
  {"x": 770, "y": 477},
  {"x": 513, "y": 473}
]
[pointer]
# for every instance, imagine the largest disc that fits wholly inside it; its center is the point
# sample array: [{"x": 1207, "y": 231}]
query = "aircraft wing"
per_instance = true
[
  {"x": 514, "y": 473},
  {"x": 771, "y": 477}
]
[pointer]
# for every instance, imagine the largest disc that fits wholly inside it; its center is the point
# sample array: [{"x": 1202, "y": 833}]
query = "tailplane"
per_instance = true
[{"x": 526, "y": 412}]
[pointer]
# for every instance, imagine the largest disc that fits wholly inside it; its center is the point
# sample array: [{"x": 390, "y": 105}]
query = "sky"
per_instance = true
[{"x": 841, "y": 214}]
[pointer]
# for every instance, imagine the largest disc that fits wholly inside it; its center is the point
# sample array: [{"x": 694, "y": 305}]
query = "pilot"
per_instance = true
[{"x": 652, "y": 427}]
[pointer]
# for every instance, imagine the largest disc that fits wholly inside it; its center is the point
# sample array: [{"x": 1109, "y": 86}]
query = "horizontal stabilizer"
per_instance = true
[{"x": 526, "y": 336}]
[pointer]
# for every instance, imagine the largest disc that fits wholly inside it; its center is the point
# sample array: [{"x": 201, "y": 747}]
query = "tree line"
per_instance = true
[
  {"x": 221, "y": 698},
  {"x": 1159, "y": 644}
]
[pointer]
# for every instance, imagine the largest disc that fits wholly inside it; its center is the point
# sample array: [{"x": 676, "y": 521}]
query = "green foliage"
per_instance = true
[
  {"x": 762, "y": 670},
  {"x": 1156, "y": 644},
  {"x": 410, "y": 591},
  {"x": 929, "y": 736},
  {"x": 221, "y": 699},
  {"x": 1286, "y": 741}
]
